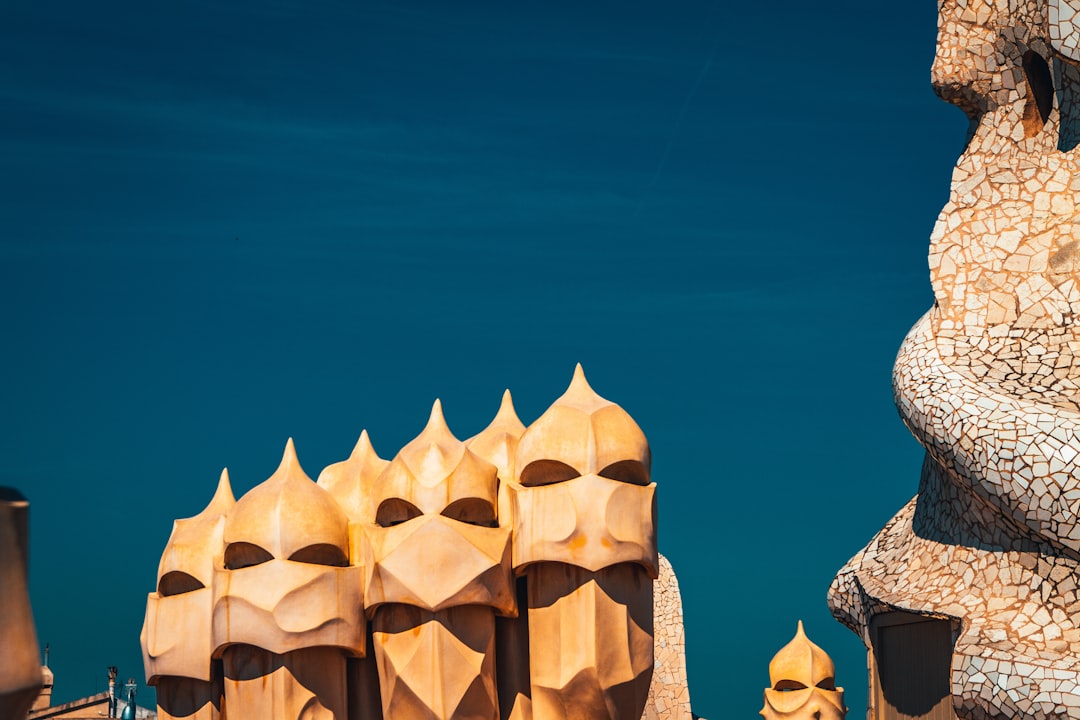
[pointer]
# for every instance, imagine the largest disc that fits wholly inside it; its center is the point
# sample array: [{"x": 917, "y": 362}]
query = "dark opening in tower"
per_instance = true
[
  {"x": 910, "y": 667},
  {"x": 1040, "y": 93}
]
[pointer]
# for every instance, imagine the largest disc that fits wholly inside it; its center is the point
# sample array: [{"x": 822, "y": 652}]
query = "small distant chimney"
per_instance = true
[
  {"x": 44, "y": 698},
  {"x": 112, "y": 691}
]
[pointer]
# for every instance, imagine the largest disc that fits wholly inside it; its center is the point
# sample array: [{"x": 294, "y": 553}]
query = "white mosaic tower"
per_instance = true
[{"x": 976, "y": 577}]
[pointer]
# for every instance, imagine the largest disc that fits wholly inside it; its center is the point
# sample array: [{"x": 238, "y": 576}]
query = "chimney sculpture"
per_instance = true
[
  {"x": 48, "y": 679},
  {"x": 803, "y": 683},
  {"x": 438, "y": 570},
  {"x": 585, "y": 537},
  {"x": 980, "y": 568},
  {"x": 287, "y": 601},
  {"x": 497, "y": 443},
  {"x": 176, "y": 635},
  {"x": 20, "y": 673},
  {"x": 509, "y": 577},
  {"x": 350, "y": 483}
]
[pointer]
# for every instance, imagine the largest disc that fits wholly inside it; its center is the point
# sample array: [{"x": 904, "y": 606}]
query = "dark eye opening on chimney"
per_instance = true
[{"x": 1040, "y": 93}]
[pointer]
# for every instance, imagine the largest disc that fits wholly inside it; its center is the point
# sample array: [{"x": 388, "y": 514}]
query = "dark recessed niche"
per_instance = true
[
  {"x": 177, "y": 582},
  {"x": 911, "y": 664},
  {"x": 321, "y": 554},
  {"x": 1040, "y": 93},
  {"x": 241, "y": 555},
  {"x": 394, "y": 511}
]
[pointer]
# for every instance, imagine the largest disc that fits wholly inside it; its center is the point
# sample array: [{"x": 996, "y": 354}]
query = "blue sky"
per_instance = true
[{"x": 225, "y": 226}]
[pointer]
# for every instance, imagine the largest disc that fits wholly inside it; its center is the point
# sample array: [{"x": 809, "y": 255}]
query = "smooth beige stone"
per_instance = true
[
  {"x": 436, "y": 474},
  {"x": 585, "y": 538},
  {"x": 20, "y": 669},
  {"x": 582, "y": 434},
  {"x": 349, "y": 481},
  {"x": 438, "y": 571},
  {"x": 288, "y": 606},
  {"x": 590, "y": 641},
  {"x": 194, "y": 547},
  {"x": 583, "y": 495},
  {"x": 282, "y": 605},
  {"x": 803, "y": 683},
  {"x": 436, "y": 665},
  {"x": 260, "y": 609},
  {"x": 434, "y": 563},
  {"x": 176, "y": 637},
  {"x": 307, "y": 684},
  {"x": 286, "y": 584},
  {"x": 287, "y": 517},
  {"x": 497, "y": 443},
  {"x": 591, "y": 522}
]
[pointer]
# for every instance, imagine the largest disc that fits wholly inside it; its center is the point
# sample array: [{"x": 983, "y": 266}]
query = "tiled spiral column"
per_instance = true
[{"x": 989, "y": 380}]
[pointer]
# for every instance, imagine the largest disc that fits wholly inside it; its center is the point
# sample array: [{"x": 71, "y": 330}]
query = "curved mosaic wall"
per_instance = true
[{"x": 988, "y": 380}]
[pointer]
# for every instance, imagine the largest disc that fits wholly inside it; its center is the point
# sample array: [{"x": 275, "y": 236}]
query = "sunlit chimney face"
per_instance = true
[
  {"x": 286, "y": 548},
  {"x": 438, "y": 572},
  {"x": 21, "y": 676},
  {"x": 585, "y": 539},
  {"x": 431, "y": 548},
  {"x": 176, "y": 633},
  {"x": 803, "y": 684},
  {"x": 583, "y": 494}
]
